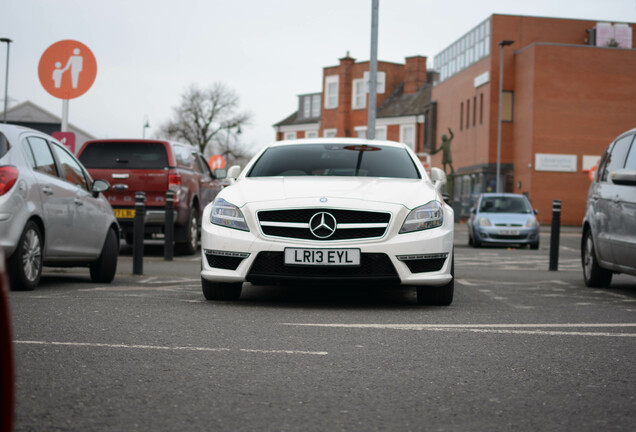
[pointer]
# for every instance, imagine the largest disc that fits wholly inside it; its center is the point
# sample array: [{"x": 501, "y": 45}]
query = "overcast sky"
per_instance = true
[{"x": 149, "y": 51}]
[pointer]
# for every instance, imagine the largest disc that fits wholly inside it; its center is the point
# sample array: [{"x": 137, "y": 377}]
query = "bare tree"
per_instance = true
[{"x": 208, "y": 116}]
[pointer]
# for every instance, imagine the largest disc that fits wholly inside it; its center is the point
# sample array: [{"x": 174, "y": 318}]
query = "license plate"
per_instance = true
[
  {"x": 322, "y": 257},
  {"x": 508, "y": 232},
  {"x": 124, "y": 213}
]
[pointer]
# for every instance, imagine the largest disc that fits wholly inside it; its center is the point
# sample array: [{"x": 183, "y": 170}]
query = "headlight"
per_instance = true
[
  {"x": 428, "y": 216},
  {"x": 484, "y": 221},
  {"x": 532, "y": 223},
  {"x": 228, "y": 215}
]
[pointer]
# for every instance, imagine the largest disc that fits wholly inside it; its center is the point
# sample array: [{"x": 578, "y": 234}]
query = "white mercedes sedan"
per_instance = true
[{"x": 330, "y": 211}]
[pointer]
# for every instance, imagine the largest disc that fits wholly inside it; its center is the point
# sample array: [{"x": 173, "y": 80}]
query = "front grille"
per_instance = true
[
  {"x": 269, "y": 267},
  {"x": 508, "y": 237},
  {"x": 425, "y": 265},
  {"x": 351, "y": 224}
]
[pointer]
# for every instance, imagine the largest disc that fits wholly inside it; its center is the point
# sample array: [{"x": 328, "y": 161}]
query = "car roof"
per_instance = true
[
  {"x": 13, "y": 132},
  {"x": 502, "y": 194},
  {"x": 349, "y": 141}
]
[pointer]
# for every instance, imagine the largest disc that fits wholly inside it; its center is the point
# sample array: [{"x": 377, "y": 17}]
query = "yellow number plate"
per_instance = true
[{"x": 124, "y": 213}]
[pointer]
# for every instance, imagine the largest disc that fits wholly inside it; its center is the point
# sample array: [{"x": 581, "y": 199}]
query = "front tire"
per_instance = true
[
  {"x": 221, "y": 291},
  {"x": 593, "y": 274},
  {"x": 25, "y": 265},
  {"x": 438, "y": 296},
  {"x": 103, "y": 270}
]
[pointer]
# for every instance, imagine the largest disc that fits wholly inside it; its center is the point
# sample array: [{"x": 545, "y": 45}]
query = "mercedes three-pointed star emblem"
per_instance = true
[{"x": 322, "y": 225}]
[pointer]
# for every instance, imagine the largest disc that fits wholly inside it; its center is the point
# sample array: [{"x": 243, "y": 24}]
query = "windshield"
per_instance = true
[
  {"x": 123, "y": 155},
  {"x": 335, "y": 160},
  {"x": 505, "y": 204}
]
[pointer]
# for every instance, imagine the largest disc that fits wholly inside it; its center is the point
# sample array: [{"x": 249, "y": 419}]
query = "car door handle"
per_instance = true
[
  {"x": 47, "y": 190},
  {"x": 78, "y": 202}
]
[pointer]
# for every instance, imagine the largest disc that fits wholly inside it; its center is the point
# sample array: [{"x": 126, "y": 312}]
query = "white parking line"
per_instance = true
[
  {"x": 493, "y": 328},
  {"x": 167, "y": 348}
]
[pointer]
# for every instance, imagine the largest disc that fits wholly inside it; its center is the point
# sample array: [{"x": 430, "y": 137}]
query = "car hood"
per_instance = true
[{"x": 408, "y": 192}]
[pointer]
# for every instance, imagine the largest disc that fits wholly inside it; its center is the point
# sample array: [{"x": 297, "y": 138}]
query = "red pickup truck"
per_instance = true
[{"x": 154, "y": 167}]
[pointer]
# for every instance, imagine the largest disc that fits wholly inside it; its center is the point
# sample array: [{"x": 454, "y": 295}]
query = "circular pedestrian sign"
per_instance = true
[
  {"x": 216, "y": 161},
  {"x": 67, "y": 69}
]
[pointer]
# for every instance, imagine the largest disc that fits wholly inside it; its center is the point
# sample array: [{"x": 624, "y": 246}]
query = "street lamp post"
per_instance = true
[
  {"x": 229, "y": 125},
  {"x": 146, "y": 126},
  {"x": 502, "y": 44},
  {"x": 6, "y": 78}
]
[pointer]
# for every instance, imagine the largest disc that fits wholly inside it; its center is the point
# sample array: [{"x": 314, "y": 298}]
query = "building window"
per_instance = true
[
  {"x": 467, "y": 113},
  {"x": 474, "y": 111},
  {"x": 290, "y": 135},
  {"x": 380, "y": 133},
  {"x": 306, "y": 106},
  {"x": 359, "y": 98},
  {"x": 381, "y": 78},
  {"x": 506, "y": 106},
  {"x": 463, "y": 53},
  {"x": 461, "y": 116},
  {"x": 361, "y": 131},
  {"x": 329, "y": 133},
  {"x": 407, "y": 135},
  {"x": 331, "y": 92},
  {"x": 311, "y": 134},
  {"x": 315, "y": 105},
  {"x": 481, "y": 108}
]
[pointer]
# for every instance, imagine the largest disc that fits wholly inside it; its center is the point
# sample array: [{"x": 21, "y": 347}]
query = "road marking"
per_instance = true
[
  {"x": 167, "y": 348},
  {"x": 492, "y": 328}
]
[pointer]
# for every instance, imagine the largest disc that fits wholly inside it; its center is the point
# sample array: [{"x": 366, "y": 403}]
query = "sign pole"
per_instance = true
[{"x": 64, "y": 115}]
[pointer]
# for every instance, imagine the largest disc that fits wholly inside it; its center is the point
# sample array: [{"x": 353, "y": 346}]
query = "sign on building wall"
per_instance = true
[
  {"x": 482, "y": 79},
  {"x": 554, "y": 162}
]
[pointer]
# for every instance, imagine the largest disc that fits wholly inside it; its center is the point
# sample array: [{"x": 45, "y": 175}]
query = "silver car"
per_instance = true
[
  {"x": 608, "y": 243},
  {"x": 51, "y": 212},
  {"x": 503, "y": 218}
]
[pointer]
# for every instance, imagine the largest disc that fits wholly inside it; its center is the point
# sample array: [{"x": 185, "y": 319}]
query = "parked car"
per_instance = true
[
  {"x": 503, "y": 218},
  {"x": 608, "y": 243},
  {"x": 154, "y": 167},
  {"x": 338, "y": 210},
  {"x": 51, "y": 211}
]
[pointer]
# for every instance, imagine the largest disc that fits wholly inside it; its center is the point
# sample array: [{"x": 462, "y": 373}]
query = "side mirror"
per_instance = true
[
  {"x": 473, "y": 210},
  {"x": 624, "y": 177},
  {"x": 438, "y": 177},
  {"x": 220, "y": 173},
  {"x": 536, "y": 211},
  {"x": 99, "y": 186},
  {"x": 234, "y": 172}
]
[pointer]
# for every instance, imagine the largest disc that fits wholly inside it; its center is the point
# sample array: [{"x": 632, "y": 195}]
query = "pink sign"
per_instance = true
[{"x": 66, "y": 138}]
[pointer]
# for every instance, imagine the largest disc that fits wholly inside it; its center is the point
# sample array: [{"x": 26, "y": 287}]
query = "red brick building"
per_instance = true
[
  {"x": 404, "y": 109},
  {"x": 568, "y": 90}
]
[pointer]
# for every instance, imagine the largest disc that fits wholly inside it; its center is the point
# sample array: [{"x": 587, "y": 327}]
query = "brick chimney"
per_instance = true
[{"x": 415, "y": 75}]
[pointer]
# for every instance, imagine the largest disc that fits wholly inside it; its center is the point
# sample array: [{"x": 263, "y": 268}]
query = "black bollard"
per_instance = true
[
  {"x": 138, "y": 233},
  {"x": 168, "y": 247},
  {"x": 554, "y": 235}
]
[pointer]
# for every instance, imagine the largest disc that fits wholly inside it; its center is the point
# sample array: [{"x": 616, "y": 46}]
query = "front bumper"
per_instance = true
[
  {"x": 417, "y": 258},
  {"x": 498, "y": 235}
]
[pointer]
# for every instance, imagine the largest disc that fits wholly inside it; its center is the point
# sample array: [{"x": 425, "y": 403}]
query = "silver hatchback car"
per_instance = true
[
  {"x": 51, "y": 212},
  {"x": 608, "y": 243},
  {"x": 503, "y": 218}
]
